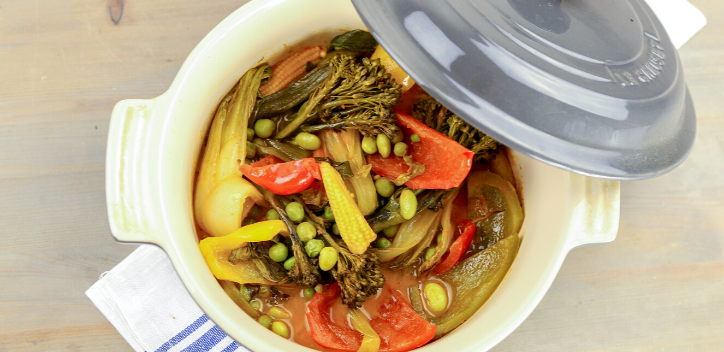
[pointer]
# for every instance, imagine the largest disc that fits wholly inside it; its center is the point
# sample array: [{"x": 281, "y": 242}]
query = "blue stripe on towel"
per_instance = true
[
  {"x": 233, "y": 346},
  {"x": 183, "y": 334},
  {"x": 207, "y": 341}
]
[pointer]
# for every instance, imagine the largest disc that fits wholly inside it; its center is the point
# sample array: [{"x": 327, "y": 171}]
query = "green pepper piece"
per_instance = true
[
  {"x": 475, "y": 279},
  {"x": 495, "y": 202}
]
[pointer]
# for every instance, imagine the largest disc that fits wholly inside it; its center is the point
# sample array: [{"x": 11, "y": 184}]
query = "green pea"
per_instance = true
[
  {"x": 429, "y": 252},
  {"x": 327, "y": 258},
  {"x": 249, "y": 134},
  {"x": 264, "y": 291},
  {"x": 369, "y": 145},
  {"x": 415, "y": 138},
  {"x": 309, "y": 292},
  {"x": 264, "y": 128},
  {"x": 245, "y": 293},
  {"x": 289, "y": 263},
  {"x": 335, "y": 229},
  {"x": 306, "y": 231},
  {"x": 328, "y": 214},
  {"x": 383, "y": 243},
  {"x": 278, "y": 252},
  {"x": 399, "y": 137},
  {"x": 408, "y": 204},
  {"x": 436, "y": 297},
  {"x": 384, "y": 186},
  {"x": 250, "y": 149},
  {"x": 383, "y": 145},
  {"x": 265, "y": 321},
  {"x": 391, "y": 231},
  {"x": 273, "y": 215},
  {"x": 313, "y": 247},
  {"x": 295, "y": 211},
  {"x": 308, "y": 141},
  {"x": 278, "y": 313},
  {"x": 256, "y": 305},
  {"x": 400, "y": 149},
  {"x": 247, "y": 221},
  {"x": 280, "y": 328},
  {"x": 319, "y": 288}
]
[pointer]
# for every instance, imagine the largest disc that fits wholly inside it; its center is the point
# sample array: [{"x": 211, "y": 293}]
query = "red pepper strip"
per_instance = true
[
  {"x": 283, "y": 178},
  {"x": 447, "y": 163},
  {"x": 325, "y": 332},
  {"x": 400, "y": 328},
  {"x": 457, "y": 249}
]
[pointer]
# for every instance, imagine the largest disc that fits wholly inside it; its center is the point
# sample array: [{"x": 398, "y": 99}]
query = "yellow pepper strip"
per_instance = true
[
  {"x": 370, "y": 341},
  {"x": 400, "y": 76},
  {"x": 216, "y": 250},
  {"x": 353, "y": 227}
]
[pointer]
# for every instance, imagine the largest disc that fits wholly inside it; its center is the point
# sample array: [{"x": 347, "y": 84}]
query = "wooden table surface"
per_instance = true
[{"x": 64, "y": 64}]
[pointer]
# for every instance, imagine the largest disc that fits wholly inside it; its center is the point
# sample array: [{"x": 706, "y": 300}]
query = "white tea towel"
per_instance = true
[{"x": 145, "y": 300}]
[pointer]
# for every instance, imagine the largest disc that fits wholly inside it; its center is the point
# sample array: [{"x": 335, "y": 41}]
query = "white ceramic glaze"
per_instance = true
[{"x": 153, "y": 146}]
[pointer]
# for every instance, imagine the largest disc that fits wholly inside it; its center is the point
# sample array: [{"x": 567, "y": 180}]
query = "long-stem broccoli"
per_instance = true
[{"x": 435, "y": 115}]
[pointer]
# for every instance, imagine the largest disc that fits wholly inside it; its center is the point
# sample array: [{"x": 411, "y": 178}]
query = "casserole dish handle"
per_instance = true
[
  {"x": 595, "y": 215},
  {"x": 132, "y": 172}
]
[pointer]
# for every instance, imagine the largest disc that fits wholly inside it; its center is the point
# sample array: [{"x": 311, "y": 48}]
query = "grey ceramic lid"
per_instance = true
[{"x": 591, "y": 86}]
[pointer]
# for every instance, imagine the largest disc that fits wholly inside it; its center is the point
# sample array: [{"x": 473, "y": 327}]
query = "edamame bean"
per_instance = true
[
  {"x": 264, "y": 128},
  {"x": 244, "y": 293},
  {"x": 295, "y": 211},
  {"x": 308, "y": 141},
  {"x": 265, "y": 321},
  {"x": 306, "y": 231},
  {"x": 327, "y": 258},
  {"x": 408, "y": 204},
  {"x": 385, "y": 187},
  {"x": 249, "y": 134},
  {"x": 400, "y": 149},
  {"x": 383, "y": 243},
  {"x": 436, "y": 297},
  {"x": 383, "y": 145},
  {"x": 289, "y": 263},
  {"x": 399, "y": 137},
  {"x": 273, "y": 215},
  {"x": 278, "y": 313},
  {"x": 309, "y": 292},
  {"x": 256, "y": 305},
  {"x": 335, "y": 229},
  {"x": 415, "y": 138},
  {"x": 319, "y": 288},
  {"x": 313, "y": 247},
  {"x": 369, "y": 145},
  {"x": 278, "y": 252},
  {"x": 328, "y": 214},
  {"x": 280, "y": 328},
  {"x": 429, "y": 252},
  {"x": 391, "y": 231}
]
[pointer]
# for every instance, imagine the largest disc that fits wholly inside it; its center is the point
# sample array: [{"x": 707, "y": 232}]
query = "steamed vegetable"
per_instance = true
[
  {"x": 345, "y": 146},
  {"x": 291, "y": 68},
  {"x": 353, "y": 227},
  {"x": 494, "y": 207},
  {"x": 216, "y": 251},
  {"x": 446, "y": 162},
  {"x": 393, "y": 68},
  {"x": 370, "y": 340},
  {"x": 284, "y": 178},
  {"x": 225, "y": 147},
  {"x": 457, "y": 249},
  {"x": 399, "y": 327},
  {"x": 358, "y": 90}
]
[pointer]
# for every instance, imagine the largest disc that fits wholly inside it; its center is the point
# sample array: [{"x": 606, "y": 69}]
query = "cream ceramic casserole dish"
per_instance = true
[{"x": 153, "y": 146}]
